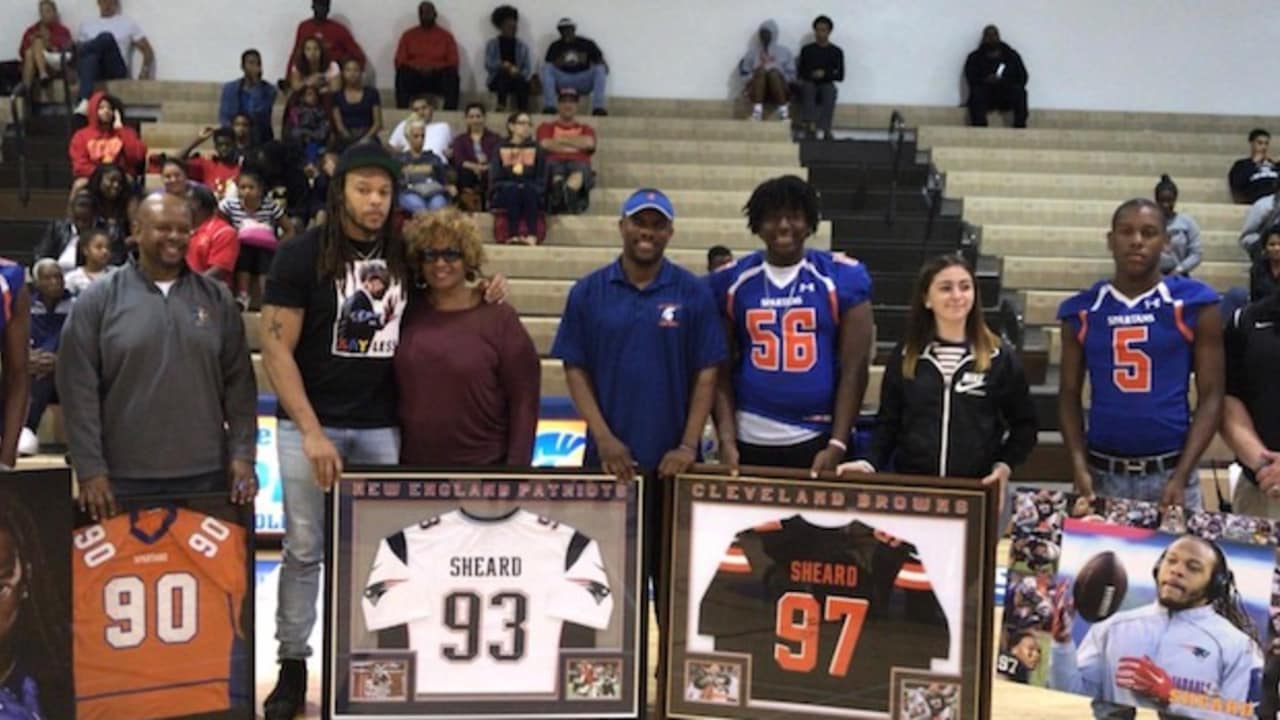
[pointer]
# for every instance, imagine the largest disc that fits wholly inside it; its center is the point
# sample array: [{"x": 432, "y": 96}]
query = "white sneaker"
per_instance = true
[
  {"x": 82, "y": 108},
  {"x": 757, "y": 112},
  {"x": 784, "y": 112},
  {"x": 28, "y": 443}
]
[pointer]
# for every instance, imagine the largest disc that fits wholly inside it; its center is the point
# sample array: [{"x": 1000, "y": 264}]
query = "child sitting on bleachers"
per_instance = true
[
  {"x": 261, "y": 224},
  {"x": 308, "y": 124},
  {"x": 95, "y": 248}
]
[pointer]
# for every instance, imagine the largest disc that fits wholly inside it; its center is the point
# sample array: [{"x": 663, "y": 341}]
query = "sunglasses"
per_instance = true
[{"x": 450, "y": 255}]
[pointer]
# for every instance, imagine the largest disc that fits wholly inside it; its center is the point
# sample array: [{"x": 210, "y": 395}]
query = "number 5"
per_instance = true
[{"x": 1132, "y": 373}]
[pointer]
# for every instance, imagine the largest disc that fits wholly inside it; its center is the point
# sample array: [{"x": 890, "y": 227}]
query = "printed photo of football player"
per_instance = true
[
  {"x": 368, "y": 306},
  {"x": 35, "y": 644},
  {"x": 713, "y": 683},
  {"x": 1193, "y": 651},
  {"x": 1020, "y": 658},
  {"x": 929, "y": 701}
]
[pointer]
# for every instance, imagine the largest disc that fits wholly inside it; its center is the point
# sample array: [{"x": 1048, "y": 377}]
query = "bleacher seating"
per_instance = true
[{"x": 1042, "y": 196}]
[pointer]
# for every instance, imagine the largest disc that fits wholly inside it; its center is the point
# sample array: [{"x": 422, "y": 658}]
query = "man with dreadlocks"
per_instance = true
[
  {"x": 801, "y": 322},
  {"x": 331, "y": 318},
  {"x": 1194, "y": 652}
]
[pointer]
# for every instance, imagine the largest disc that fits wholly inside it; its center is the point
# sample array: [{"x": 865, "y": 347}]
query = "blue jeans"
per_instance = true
[
  {"x": 412, "y": 202},
  {"x": 304, "y": 532},
  {"x": 1143, "y": 487},
  {"x": 587, "y": 81},
  {"x": 99, "y": 59}
]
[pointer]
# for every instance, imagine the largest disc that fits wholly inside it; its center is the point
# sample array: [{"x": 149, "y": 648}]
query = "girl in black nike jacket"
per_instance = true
[{"x": 954, "y": 400}]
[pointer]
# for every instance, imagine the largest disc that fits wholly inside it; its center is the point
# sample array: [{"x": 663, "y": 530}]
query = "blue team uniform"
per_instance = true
[
  {"x": 788, "y": 337},
  {"x": 1139, "y": 355}
]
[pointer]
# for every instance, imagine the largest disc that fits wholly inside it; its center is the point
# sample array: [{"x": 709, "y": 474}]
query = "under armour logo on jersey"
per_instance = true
[
  {"x": 374, "y": 592},
  {"x": 807, "y": 287},
  {"x": 596, "y": 589},
  {"x": 667, "y": 315},
  {"x": 1151, "y": 303}
]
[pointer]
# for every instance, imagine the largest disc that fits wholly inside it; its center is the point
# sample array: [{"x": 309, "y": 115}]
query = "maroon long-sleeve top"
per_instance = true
[{"x": 469, "y": 384}]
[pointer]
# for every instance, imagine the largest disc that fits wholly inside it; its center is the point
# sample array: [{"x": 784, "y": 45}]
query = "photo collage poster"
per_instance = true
[
  {"x": 486, "y": 594},
  {"x": 35, "y": 583},
  {"x": 162, "y": 609},
  {"x": 807, "y": 599},
  {"x": 1116, "y": 600}
]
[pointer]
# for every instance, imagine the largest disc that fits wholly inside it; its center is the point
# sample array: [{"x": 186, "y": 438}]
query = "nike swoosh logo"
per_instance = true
[{"x": 1262, "y": 325}]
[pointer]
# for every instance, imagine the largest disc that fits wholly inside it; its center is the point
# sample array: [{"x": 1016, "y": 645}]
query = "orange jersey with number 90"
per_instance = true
[{"x": 157, "y": 597}]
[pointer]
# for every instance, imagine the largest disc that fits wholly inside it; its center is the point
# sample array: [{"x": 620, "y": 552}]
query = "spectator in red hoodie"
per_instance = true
[
  {"x": 106, "y": 139},
  {"x": 339, "y": 45},
  {"x": 427, "y": 61},
  {"x": 42, "y": 44}
]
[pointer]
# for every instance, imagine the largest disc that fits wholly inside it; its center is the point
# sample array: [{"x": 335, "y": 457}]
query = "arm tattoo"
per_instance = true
[{"x": 276, "y": 328}]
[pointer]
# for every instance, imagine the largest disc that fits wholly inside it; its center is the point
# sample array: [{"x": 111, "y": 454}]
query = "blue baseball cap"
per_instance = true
[{"x": 648, "y": 199}]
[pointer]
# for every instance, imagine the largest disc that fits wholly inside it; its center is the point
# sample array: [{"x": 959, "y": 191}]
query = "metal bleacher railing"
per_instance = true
[
  {"x": 17, "y": 113},
  {"x": 897, "y": 140}
]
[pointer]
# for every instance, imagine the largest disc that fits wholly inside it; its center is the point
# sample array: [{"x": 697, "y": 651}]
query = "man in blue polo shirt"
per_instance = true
[{"x": 640, "y": 339}]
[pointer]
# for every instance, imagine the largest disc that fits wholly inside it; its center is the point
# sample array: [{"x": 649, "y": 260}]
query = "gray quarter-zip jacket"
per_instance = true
[{"x": 156, "y": 387}]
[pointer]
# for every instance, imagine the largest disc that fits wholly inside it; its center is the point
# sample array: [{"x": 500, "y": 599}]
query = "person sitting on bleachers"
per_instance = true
[
  {"x": 50, "y": 305},
  {"x": 1264, "y": 275},
  {"x": 518, "y": 179},
  {"x": 576, "y": 62},
  {"x": 40, "y": 51},
  {"x": 251, "y": 96},
  {"x": 1257, "y": 176},
  {"x": 997, "y": 80},
  {"x": 569, "y": 146},
  {"x": 335, "y": 39},
  {"x": 262, "y": 225},
  {"x": 821, "y": 66},
  {"x": 103, "y": 47},
  {"x": 470, "y": 155},
  {"x": 357, "y": 108},
  {"x": 507, "y": 61},
  {"x": 769, "y": 69},
  {"x": 424, "y": 175},
  {"x": 106, "y": 139},
  {"x": 311, "y": 67},
  {"x": 173, "y": 178},
  {"x": 308, "y": 206},
  {"x": 438, "y": 134},
  {"x": 1262, "y": 214},
  {"x": 1184, "y": 251},
  {"x": 95, "y": 261},
  {"x": 717, "y": 257},
  {"x": 61, "y": 239},
  {"x": 214, "y": 246},
  {"x": 427, "y": 61},
  {"x": 307, "y": 124},
  {"x": 219, "y": 170},
  {"x": 114, "y": 202}
]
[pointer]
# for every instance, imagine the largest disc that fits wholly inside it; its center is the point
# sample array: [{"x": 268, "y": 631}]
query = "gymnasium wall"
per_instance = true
[{"x": 1153, "y": 55}]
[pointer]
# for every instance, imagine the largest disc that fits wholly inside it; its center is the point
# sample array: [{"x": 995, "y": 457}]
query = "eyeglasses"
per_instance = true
[{"x": 450, "y": 255}]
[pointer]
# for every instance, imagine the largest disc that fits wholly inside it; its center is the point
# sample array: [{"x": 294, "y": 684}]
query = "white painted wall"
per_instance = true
[{"x": 1158, "y": 55}]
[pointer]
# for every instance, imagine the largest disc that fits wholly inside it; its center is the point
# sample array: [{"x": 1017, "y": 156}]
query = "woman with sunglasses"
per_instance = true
[{"x": 467, "y": 372}]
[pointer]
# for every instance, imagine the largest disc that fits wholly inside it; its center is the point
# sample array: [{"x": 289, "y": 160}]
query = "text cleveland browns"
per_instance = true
[
  {"x": 801, "y": 495},
  {"x": 491, "y": 489}
]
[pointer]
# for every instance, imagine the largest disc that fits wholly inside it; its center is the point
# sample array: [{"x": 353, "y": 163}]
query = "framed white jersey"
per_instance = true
[{"x": 483, "y": 595}]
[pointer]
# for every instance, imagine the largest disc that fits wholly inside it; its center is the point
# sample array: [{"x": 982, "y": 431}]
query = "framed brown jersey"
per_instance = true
[
  {"x": 799, "y": 598},
  {"x": 485, "y": 595}
]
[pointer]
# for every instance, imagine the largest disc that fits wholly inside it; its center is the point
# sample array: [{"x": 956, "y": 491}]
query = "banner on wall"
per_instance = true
[
  {"x": 1133, "y": 606},
  {"x": 560, "y": 443}
]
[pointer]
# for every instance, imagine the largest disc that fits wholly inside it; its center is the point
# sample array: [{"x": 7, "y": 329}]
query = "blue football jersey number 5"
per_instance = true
[
  {"x": 787, "y": 346},
  {"x": 1132, "y": 373}
]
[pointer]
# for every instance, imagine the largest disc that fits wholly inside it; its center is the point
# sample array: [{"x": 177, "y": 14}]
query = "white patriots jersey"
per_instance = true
[{"x": 485, "y": 599}]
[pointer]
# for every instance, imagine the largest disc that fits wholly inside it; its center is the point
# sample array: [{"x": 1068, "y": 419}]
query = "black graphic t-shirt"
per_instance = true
[
  {"x": 349, "y": 332},
  {"x": 824, "y": 613}
]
